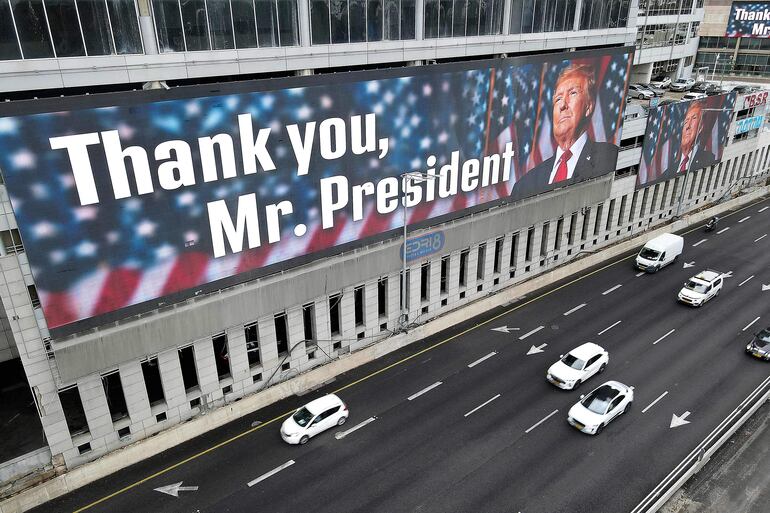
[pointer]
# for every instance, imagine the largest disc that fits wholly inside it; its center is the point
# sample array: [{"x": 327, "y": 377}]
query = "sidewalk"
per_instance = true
[{"x": 737, "y": 479}]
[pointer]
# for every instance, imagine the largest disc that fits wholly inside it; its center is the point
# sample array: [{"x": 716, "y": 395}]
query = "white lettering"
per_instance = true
[
  {"x": 331, "y": 187},
  {"x": 447, "y": 185},
  {"x": 209, "y": 159},
  {"x": 387, "y": 195},
  {"x": 221, "y": 224},
  {"x": 251, "y": 149},
  {"x": 356, "y": 140},
  {"x": 116, "y": 163},
  {"x": 359, "y": 191},
  {"x": 273, "y": 214},
  {"x": 167, "y": 171},
  {"x": 332, "y": 133},
  {"x": 469, "y": 176},
  {"x": 77, "y": 150},
  {"x": 302, "y": 146}
]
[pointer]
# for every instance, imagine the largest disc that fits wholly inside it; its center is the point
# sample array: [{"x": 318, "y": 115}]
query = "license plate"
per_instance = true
[
  {"x": 758, "y": 355},
  {"x": 579, "y": 425}
]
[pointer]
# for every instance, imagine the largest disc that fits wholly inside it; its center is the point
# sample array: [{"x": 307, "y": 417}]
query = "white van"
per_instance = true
[{"x": 659, "y": 252}]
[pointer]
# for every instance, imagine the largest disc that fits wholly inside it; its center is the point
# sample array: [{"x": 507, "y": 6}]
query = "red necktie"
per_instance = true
[
  {"x": 561, "y": 171},
  {"x": 683, "y": 167}
]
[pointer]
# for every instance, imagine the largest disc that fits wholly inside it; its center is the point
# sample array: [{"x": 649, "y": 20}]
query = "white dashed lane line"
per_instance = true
[
  {"x": 759, "y": 239},
  {"x": 747, "y": 279},
  {"x": 750, "y": 324},
  {"x": 424, "y": 391},
  {"x": 573, "y": 310},
  {"x": 664, "y": 336},
  {"x": 554, "y": 412},
  {"x": 762, "y": 209},
  {"x": 343, "y": 434},
  {"x": 527, "y": 334},
  {"x": 477, "y": 408},
  {"x": 608, "y": 328},
  {"x": 699, "y": 242},
  {"x": 641, "y": 273},
  {"x": 616, "y": 287},
  {"x": 723, "y": 230},
  {"x": 744, "y": 219},
  {"x": 271, "y": 473},
  {"x": 473, "y": 364},
  {"x": 661, "y": 396}
]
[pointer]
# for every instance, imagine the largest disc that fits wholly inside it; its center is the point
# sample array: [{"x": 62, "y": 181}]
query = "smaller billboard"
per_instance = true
[
  {"x": 749, "y": 19},
  {"x": 749, "y": 124},
  {"x": 684, "y": 136}
]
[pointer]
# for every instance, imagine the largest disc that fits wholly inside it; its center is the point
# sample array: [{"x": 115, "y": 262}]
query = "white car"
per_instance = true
[
  {"x": 701, "y": 287},
  {"x": 694, "y": 96},
  {"x": 639, "y": 91},
  {"x": 661, "y": 81},
  {"x": 594, "y": 411},
  {"x": 578, "y": 365},
  {"x": 682, "y": 84},
  {"x": 314, "y": 418}
]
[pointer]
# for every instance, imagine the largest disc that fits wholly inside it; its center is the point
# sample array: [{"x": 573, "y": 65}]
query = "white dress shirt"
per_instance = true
[
  {"x": 576, "y": 149},
  {"x": 689, "y": 162}
]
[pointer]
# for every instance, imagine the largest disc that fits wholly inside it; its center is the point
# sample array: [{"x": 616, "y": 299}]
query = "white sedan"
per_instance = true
[
  {"x": 577, "y": 366},
  {"x": 314, "y": 418},
  {"x": 594, "y": 411}
]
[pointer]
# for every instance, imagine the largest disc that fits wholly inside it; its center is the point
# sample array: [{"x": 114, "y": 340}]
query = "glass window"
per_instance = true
[
  {"x": 244, "y": 23},
  {"x": 407, "y": 19},
  {"x": 288, "y": 23},
  {"x": 339, "y": 20},
  {"x": 196, "y": 31},
  {"x": 319, "y": 22},
  {"x": 9, "y": 46},
  {"x": 168, "y": 24},
  {"x": 221, "y": 24},
  {"x": 357, "y": 21},
  {"x": 267, "y": 22},
  {"x": 391, "y": 21},
  {"x": 93, "y": 15},
  {"x": 431, "y": 19},
  {"x": 125, "y": 26},
  {"x": 472, "y": 18},
  {"x": 32, "y": 28},
  {"x": 445, "y": 15},
  {"x": 65, "y": 28},
  {"x": 460, "y": 10},
  {"x": 374, "y": 20}
]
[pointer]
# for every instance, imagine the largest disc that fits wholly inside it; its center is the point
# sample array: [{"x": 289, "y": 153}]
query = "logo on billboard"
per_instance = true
[
  {"x": 749, "y": 19},
  {"x": 749, "y": 124},
  {"x": 423, "y": 246},
  {"x": 126, "y": 201}
]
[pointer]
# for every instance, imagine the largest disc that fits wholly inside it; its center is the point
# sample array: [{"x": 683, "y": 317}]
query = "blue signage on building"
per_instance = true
[
  {"x": 423, "y": 246},
  {"x": 748, "y": 124}
]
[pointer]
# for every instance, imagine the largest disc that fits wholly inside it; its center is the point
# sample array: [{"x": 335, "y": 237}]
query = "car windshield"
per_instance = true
[
  {"x": 599, "y": 400},
  {"x": 695, "y": 286},
  {"x": 763, "y": 338},
  {"x": 302, "y": 417},
  {"x": 571, "y": 361},
  {"x": 680, "y": 81},
  {"x": 649, "y": 254}
]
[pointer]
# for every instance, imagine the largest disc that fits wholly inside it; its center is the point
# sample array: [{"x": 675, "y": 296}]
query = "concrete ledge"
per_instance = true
[{"x": 178, "y": 434}]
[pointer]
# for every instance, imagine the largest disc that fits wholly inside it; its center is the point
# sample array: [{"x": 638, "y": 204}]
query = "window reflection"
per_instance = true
[{"x": 355, "y": 21}]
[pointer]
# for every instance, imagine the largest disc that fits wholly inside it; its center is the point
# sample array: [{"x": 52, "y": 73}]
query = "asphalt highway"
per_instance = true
[{"x": 465, "y": 421}]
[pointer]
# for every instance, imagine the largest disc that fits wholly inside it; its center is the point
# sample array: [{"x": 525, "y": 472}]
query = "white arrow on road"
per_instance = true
[
  {"x": 505, "y": 329},
  {"x": 689, "y": 264},
  {"x": 765, "y": 288},
  {"x": 679, "y": 420},
  {"x": 174, "y": 489},
  {"x": 536, "y": 349}
]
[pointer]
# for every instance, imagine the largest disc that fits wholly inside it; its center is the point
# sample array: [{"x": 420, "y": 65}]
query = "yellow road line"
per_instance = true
[{"x": 375, "y": 373}]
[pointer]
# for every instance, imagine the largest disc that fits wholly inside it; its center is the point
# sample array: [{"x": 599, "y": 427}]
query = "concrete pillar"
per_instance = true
[
  {"x": 137, "y": 402},
  {"x": 95, "y": 406},
  {"x": 205, "y": 364},
  {"x": 322, "y": 327},
  {"x": 419, "y": 20},
  {"x": 267, "y": 344},
  {"x": 146, "y": 28},
  {"x": 393, "y": 293},
  {"x": 171, "y": 378},
  {"x": 434, "y": 285},
  {"x": 304, "y": 22},
  {"x": 239, "y": 361},
  {"x": 371, "y": 318},
  {"x": 296, "y": 333}
]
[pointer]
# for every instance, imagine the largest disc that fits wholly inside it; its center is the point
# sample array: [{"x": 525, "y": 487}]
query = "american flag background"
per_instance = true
[
  {"x": 120, "y": 257},
  {"x": 743, "y": 28},
  {"x": 664, "y": 132}
]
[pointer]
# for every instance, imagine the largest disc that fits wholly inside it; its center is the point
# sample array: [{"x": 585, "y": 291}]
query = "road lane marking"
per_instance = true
[
  {"x": 762, "y": 209},
  {"x": 699, "y": 242},
  {"x": 371, "y": 375},
  {"x": 664, "y": 336},
  {"x": 554, "y": 412},
  {"x": 745, "y": 218},
  {"x": 490, "y": 355},
  {"x": 747, "y": 279},
  {"x": 343, "y": 434},
  {"x": 749, "y": 324},
  {"x": 608, "y": 328},
  {"x": 477, "y": 408},
  {"x": 616, "y": 287},
  {"x": 641, "y": 273},
  {"x": 661, "y": 396},
  {"x": 578, "y": 307},
  {"x": 531, "y": 332},
  {"x": 424, "y": 391},
  {"x": 271, "y": 473},
  {"x": 759, "y": 239},
  {"x": 723, "y": 230}
]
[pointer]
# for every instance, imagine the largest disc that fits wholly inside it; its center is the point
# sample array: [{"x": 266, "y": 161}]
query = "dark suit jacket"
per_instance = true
[
  {"x": 596, "y": 159},
  {"x": 703, "y": 158}
]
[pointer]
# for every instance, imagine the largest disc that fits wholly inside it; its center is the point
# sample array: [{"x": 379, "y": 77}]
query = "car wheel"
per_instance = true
[
  {"x": 341, "y": 421},
  {"x": 576, "y": 385},
  {"x": 601, "y": 369},
  {"x": 640, "y": 96},
  {"x": 303, "y": 440},
  {"x": 599, "y": 429},
  {"x": 628, "y": 407}
]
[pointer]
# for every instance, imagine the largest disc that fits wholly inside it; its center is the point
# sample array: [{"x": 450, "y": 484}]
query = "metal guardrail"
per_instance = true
[{"x": 699, "y": 456}]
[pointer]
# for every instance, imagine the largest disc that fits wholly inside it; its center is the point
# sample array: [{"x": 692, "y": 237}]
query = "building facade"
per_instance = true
[{"x": 104, "y": 387}]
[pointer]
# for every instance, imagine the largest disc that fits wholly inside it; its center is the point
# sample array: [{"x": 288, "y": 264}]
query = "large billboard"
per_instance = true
[
  {"x": 127, "y": 202},
  {"x": 684, "y": 136},
  {"x": 749, "y": 19}
]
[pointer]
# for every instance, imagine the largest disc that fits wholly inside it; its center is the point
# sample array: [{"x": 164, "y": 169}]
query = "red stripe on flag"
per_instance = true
[
  {"x": 421, "y": 212},
  {"x": 323, "y": 239},
  {"x": 188, "y": 271},
  {"x": 375, "y": 223},
  {"x": 253, "y": 259},
  {"x": 117, "y": 290},
  {"x": 57, "y": 309}
]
